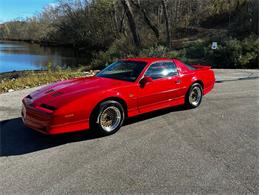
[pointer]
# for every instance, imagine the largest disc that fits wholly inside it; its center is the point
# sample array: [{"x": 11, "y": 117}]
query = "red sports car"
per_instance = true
[{"x": 126, "y": 88}]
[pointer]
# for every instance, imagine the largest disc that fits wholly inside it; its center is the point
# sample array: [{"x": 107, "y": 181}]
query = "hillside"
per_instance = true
[{"x": 105, "y": 30}]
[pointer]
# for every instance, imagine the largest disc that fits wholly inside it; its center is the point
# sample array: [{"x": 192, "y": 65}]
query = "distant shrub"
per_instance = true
[
  {"x": 120, "y": 48},
  {"x": 156, "y": 51},
  {"x": 178, "y": 54},
  {"x": 49, "y": 67},
  {"x": 101, "y": 60},
  {"x": 58, "y": 68},
  {"x": 231, "y": 53},
  {"x": 235, "y": 53},
  {"x": 197, "y": 49},
  {"x": 249, "y": 53}
]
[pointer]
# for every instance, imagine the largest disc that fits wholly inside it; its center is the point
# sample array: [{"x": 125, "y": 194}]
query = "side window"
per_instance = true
[{"x": 161, "y": 70}]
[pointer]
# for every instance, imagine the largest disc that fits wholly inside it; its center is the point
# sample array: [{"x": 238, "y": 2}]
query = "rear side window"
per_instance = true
[
  {"x": 189, "y": 66},
  {"x": 161, "y": 70}
]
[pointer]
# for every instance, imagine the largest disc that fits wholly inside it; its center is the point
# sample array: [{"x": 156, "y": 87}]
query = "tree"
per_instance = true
[
  {"x": 166, "y": 17},
  {"x": 147, "y": 20},
  {"x": 131, "y": 22}
]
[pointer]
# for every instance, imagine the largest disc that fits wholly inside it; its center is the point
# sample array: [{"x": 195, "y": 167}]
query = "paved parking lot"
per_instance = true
[{"x": 211, "y": 149}]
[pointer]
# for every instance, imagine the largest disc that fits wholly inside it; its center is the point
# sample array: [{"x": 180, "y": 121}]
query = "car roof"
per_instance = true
[{"x": 148, "y": 60}]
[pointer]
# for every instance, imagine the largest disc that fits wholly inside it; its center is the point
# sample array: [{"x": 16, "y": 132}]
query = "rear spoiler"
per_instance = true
[{"x": 198, "y": 66}]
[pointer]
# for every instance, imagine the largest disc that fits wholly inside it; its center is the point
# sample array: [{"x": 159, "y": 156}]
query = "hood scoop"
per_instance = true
[
  {"x": 54, "y": 93},
  {"x": 49, "y": 91},
  {"x": 57, "y": 93}
]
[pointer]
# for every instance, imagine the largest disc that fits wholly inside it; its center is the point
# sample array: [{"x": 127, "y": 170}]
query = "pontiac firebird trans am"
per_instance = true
[{"x": 126, "y": 88}]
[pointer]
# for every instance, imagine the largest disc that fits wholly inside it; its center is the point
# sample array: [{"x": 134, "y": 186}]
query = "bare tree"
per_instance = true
[
  {"x": 166, "y": 17},
  {"x": 131, "y": 22},
  {"x": 147, "y": 20}
]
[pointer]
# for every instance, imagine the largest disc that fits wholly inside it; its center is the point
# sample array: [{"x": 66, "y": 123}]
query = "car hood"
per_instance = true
[{"x": 62, "y": 92}]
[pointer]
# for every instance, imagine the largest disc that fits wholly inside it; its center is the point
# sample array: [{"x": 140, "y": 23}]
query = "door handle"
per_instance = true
[{"x": 178, "y": 81}]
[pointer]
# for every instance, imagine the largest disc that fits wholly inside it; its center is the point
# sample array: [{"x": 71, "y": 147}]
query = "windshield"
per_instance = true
[{"x": 123, "y": 70}]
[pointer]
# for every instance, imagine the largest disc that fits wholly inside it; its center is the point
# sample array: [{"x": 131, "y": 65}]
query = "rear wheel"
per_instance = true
[
  {"x": 194, "y": 96},
  {"x": 108, "y": 117}
]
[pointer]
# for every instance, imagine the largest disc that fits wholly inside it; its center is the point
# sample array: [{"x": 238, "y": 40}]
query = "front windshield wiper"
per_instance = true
[{"x": 110, "y": 77}]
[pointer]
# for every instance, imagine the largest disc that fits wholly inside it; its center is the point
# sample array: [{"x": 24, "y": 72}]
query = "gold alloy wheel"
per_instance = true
[{"x": 110, "y": 118}]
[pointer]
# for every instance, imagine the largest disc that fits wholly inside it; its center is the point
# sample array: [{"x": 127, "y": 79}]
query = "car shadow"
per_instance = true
[{"x": 16, "y": 139}]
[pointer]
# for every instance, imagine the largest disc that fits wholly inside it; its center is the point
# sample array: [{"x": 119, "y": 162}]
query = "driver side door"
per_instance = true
[{"x": 162, "y": 90}]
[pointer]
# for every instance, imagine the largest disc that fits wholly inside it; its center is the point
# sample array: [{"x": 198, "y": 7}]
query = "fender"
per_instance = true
[{"x": 194, "y": 79}]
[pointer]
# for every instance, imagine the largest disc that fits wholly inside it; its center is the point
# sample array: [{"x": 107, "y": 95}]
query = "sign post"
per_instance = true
[{"x": 214, "y": 45}]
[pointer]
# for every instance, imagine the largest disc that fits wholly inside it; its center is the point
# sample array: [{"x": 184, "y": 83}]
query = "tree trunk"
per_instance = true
[
  {"x": 121, "y": 27},
  {"x": 131, "y": 22},
  {"x": 114, "y": 18},
  {"x": 166, "y": 17},
  {"x": 146, "y": 18}
]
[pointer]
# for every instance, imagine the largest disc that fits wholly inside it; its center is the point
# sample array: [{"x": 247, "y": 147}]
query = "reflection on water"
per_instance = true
[{"x": 24, "y": 56}]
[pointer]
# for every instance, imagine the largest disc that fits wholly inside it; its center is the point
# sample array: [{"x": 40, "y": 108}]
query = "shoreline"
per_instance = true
[
  {"x": 17, "y": 80},
  {"x": 41, "y": 43}
]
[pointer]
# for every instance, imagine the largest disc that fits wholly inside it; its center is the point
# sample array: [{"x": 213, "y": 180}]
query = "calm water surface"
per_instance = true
[{"x": 16, "y": 56}]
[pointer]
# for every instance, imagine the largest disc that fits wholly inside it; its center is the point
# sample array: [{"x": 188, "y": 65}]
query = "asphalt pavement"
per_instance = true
[{"x": 212, "y": 149}]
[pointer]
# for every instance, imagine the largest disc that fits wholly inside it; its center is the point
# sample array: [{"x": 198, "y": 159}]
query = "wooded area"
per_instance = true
[{"x": 107, "y": 29}]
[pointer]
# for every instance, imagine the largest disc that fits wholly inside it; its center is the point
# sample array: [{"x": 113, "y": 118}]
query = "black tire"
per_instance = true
[
  {"x": 107, "y": 110},
  {"x": 195, "y": 88}
]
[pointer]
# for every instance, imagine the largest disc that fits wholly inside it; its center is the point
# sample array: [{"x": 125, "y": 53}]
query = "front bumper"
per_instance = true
[
  {"x": 35, "y": 118},
  {"x": 48, "y": 123}
]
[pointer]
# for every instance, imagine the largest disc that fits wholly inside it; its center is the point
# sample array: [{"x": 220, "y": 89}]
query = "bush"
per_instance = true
[
  {"x": 178, "y": 54},
  {"x": 236, "y": 54},
  {"x": 249, "y": 53},
  {"x": 157, "y": 52},
  {"x": 120, "y": 48},
  {"x": 198, "y": 49},
  {"x": 231, "y": 53}
]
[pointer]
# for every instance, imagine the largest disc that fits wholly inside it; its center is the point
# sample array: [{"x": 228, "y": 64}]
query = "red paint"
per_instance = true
[{"x": 72, "y": 101}]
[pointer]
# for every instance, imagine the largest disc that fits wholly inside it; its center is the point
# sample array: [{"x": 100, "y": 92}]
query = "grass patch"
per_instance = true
[{"x": 27, "y": 79}]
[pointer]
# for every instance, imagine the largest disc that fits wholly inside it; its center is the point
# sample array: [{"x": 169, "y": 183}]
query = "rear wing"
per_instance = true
[{"x": 201, "y": 67}]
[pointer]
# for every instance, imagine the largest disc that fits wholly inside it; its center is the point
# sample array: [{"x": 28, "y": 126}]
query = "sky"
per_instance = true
[{"x": 20, "y": 9}]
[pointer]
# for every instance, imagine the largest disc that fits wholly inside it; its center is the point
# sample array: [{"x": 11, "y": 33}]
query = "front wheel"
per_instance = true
[
  {"x": 108, "y": 117},
  {"x": 194, "y": 96}
]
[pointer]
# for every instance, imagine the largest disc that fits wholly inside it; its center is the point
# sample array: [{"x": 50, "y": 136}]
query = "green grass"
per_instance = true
[{"x": 27, "y": 79}]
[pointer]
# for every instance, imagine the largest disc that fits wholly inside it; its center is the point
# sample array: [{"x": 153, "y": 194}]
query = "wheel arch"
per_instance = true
[
  {"x": 199, "y": 82},
  {"x": 118, "y": 99},
  {"x": 188, "y": 105},
  {"x": 193, "y": 82}
]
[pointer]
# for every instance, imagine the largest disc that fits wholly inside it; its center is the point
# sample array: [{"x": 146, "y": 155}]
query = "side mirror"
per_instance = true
[{"x": 144, "y": 80}]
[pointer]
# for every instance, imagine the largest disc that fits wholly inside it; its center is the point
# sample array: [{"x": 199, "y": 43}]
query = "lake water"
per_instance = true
[{"x": 16, "y": 56}]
